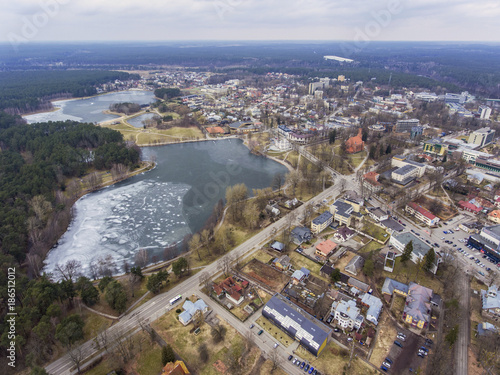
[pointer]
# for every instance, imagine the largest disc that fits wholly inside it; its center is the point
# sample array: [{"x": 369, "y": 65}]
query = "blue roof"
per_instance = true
[
  {"x": 305, "y": 271},
  {"x": 278, "y": 245},
  {"x": 390, "y": 285},
  {"x": 323, "y": 218},
  {"x": 296, "y": 323},
  {"x": 185, "y": 316}
]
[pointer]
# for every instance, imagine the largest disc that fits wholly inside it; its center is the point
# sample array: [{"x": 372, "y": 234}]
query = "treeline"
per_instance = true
[
  {"x": 28, "y": 91},
  {"x": 167, "y": 93},
  {"x": 35, "y": 163},
  {"x": 35, "y": 202}
]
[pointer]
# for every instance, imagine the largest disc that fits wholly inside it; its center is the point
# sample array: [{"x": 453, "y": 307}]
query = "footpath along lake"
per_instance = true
[{"x": 158, "y": 208}]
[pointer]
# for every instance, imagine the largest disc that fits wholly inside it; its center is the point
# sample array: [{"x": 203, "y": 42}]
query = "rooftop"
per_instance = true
[
  {"x": 420, "y": 248},
  {"x": 323, "y": 218}
]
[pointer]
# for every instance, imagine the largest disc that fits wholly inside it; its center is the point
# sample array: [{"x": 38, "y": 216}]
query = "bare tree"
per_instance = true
[
  {"x": 205, "y": 280},
  {"x": 141, "y": 258},
  {"x": 225, "y": 264},
  {"x": 275, "y": 359},
  {"x": 70, "y": 270},
  {"x": 77, "y": 356}
]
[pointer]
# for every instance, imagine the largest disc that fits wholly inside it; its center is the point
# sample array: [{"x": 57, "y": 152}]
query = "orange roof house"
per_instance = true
[
  {"x": 177, "y": 368},
  {"x": 355, "y": 144},
  {"x": 494, "y": 216},
  {"x": 325, "y": 248},
  {"x": 215, "y": 130}
]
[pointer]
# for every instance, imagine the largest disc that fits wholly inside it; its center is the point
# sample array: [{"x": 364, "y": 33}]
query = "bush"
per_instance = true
[{"x": 178, "y": 311}]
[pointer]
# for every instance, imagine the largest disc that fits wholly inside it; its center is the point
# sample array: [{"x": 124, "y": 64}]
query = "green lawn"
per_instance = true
[
  {"x": 300, "y": 261},
  {"x": 371, "y": 246},
  {"x": 149, "y": 361},
  {"x": 375, "y": 231}
]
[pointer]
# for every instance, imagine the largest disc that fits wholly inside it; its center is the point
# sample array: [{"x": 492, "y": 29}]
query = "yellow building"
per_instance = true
[
  {"x": 341, "y": 78},
  {"x": 435, "y": 147}
]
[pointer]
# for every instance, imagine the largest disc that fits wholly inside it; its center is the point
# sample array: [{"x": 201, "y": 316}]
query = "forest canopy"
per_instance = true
[{"x": 28, "y": 91}]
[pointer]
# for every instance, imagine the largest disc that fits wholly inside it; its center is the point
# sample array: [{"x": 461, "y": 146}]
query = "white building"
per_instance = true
[
  {"x": 482, "y": 137},
  {"x": 484, "y": 112},
  {"x": 347, "y": 314}
]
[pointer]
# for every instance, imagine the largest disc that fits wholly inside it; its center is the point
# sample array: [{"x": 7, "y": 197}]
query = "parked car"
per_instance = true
[
  {"x": 252, "y": 325},
  {"x": 306, "y": 368},
  {"x": 302, "y": 365},
  {"x": 421, "y": 355},
  {"x": 397, "y": 343},
  {"x": 275, "y": 345},
  {"x": 311, "y": 370},
  {"x": 386, "y": 364},
  {"x": 260, "y": 332},
  {"x": 383, "y": 368},
  {"x": 402, "y": 338},
  {"x": 388, "y": 360},
  {"x": 424, "y": 349},
  {"x": 290, "y": 357}
]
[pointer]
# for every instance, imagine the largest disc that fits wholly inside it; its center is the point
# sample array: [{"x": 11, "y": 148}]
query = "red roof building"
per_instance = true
[
  {"x": 422, "y": 214},
  {"x": 370, "y": 181},
  {"x": 355, "y": 144},
  {"x": 467, "y": 206}
]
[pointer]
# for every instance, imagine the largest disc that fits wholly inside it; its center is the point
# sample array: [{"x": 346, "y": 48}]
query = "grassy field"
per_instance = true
[
  {"x": 408, "y": 272},
  {"x": 385, "y": 338},
  {"x": 356, "y": 159},
  {"x": 333, "y": 360},
  {"x": 300, "y": 261},
  {"x": 398, "y": 305},
  {"x": 375, "y": 231},
  {"x": 274, "y": 331},
  {"x": 371, "y": 246},
  {"x": 94, "y": 323}
]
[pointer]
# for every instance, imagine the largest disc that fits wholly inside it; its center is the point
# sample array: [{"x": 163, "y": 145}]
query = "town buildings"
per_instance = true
[{"x": 422, "y": 214}]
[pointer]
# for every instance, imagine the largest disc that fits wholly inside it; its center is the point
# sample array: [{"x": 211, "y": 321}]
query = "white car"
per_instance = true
[{"x": 275, "y": 345}]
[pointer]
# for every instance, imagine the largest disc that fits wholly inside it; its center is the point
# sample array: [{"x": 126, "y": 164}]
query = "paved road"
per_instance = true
[{"x": 157, "y": 306}]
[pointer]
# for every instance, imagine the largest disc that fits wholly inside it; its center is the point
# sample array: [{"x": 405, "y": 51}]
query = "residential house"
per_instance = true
[
  {"x": 422, "y": 214},
  {"x": 355, "y": 144},
  {"x": 278, "y": 246},
  {"x": 175, "y": 368},
  {"x": 190, "y": 310},
  {"x": 326, "y": 270},
  {"x": 347, "y": 314},
  {"x": 374, "y": 305},
  {"x": 378, "y": 214},
  {"x": 325, "y": 248},
  {"x": 467, "y": 206},
  {"x": 300, "y": 275},
  {"x": 230, "y": 289},
  {"x": 417, "y": 308},
  {"x": 494, "y": 216},
  {"x": 273, "y": 210},
  {"x": 491, "y": 301},
  {"x": 355, "y": 265},
  {"x": 371, "y": 183},
  {"x": 282, "y": 263},
  {"x": 392, "y": 286},
  {"x": 344, "y": 233},
  {"x": 485, "y": 328},
  {"x": 357, "y": 286},
  {"x": 301, "y": 234},
  {"x": 321, "y": 222}
]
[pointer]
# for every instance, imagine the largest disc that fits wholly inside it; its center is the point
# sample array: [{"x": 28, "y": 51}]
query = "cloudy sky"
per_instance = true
[{"x": 453, "y": 20}]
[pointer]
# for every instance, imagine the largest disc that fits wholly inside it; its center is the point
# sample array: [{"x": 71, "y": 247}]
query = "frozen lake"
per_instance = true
[
  {"x": 158, "y": 208},
  {"x": 90, "y": 109}
]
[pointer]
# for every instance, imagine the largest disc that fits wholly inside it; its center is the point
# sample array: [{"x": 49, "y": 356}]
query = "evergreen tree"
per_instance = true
[
  {"x": 333, "y": 136},
  {"x": 407, "y": 252},
  {"x": 429, "y": 259},
  {"x": 167, "y": 354},
  {"x": 335, "y": 276},
  {"x": 388, "y": 150}
]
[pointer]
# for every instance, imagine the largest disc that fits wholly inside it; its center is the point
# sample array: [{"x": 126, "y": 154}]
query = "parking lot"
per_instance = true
[{"x": 406, "y": 357}]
